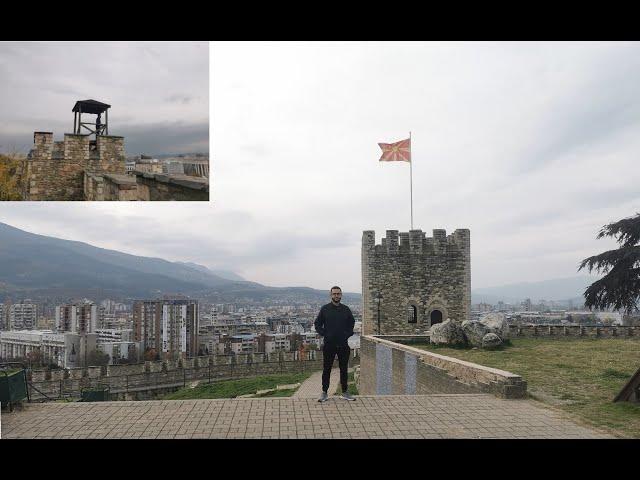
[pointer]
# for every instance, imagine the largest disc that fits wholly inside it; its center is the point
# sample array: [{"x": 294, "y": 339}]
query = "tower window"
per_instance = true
[{"x": 412, "y": 313}]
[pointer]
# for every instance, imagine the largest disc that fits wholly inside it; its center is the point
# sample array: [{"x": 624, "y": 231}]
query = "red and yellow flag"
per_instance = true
[{"x": 396, "y": 152}]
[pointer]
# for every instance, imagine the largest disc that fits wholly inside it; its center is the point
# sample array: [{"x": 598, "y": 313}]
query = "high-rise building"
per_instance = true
[
  {"x": 23, "y": 316},
  {"x": 79, "y": 318},
  {"x": 168, "y": 326},
  {"x": 4, "y": 317}
]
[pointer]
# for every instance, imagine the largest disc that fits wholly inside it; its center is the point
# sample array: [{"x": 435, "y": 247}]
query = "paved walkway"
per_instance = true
[
  {"x": 388, "y": 416},
  {"x": 312, "y": 386}
]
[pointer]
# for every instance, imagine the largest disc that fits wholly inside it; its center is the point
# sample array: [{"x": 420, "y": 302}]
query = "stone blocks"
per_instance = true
[
  {"x": 389, "y": 368},
  {"x": 56, "y": 170},
  {"x": 417, "y": 277}
]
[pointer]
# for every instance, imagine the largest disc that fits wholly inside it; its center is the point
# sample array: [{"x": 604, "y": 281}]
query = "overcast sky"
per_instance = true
[
  {"x": 532, "y": 146},
  {"x": 158, "y": 92}
]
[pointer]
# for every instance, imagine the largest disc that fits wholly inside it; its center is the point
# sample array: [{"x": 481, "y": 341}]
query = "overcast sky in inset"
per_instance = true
[
  {"x": 158, "y": 92},
  {"x": 532, "y": 146}
]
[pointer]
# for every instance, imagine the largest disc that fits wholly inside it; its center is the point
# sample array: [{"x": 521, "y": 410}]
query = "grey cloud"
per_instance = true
[
  {"x": 164, "y": 137},
  {"x": 146, "y": 84},
  {"x": 282, "y": 244},
  {"x": 152, "y": 139},
  {"x": 597, "y": 110}
]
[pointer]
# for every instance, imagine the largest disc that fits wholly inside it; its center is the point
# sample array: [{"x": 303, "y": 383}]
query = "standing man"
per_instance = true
[{"x": 335, "y": 323}]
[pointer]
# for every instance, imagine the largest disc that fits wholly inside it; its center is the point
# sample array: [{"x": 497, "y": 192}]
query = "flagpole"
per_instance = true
[{"x": 411, "y": 180}]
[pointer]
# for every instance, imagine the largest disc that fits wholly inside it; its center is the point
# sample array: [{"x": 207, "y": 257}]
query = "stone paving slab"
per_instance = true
[
  {"x": 312, "y": 386},
  {"x": 389, "y": 416}
]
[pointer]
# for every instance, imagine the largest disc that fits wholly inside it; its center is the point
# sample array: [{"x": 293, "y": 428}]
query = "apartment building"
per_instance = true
[{"x": 170, "y": 327}]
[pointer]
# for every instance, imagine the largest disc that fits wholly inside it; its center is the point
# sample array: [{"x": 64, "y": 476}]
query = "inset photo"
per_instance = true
[{"x": 115, "y": 121}]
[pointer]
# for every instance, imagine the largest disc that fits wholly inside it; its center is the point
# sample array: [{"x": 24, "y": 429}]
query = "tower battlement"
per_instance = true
[
  {"x": 423, "y": 280},
  {"x": 416, "y": 242},
  {"x": 55, "y": 170}
]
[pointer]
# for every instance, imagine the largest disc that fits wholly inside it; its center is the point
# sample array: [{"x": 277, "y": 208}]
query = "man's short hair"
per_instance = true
[{"x": 335, "y": 288}]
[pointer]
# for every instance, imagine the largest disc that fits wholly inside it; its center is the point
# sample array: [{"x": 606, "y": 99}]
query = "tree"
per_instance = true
[
  {"x": 150, "y": 355},
  {"x": 97, "y": 358},
  {"x": 34, "y": 358},
  {"x": 10, "y": 172},
  {"x": 620, "y": 287}
]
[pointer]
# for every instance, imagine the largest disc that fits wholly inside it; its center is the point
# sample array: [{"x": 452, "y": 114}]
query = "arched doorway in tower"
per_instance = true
[{"x": 436, "y": 317}]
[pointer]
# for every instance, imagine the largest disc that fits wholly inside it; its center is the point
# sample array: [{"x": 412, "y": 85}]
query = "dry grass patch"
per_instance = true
[{"x": 580, "y": 376}]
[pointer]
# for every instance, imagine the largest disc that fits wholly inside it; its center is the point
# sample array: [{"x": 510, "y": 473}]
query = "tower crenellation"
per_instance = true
[
  {"x": 56, "y": 170},
  {"x": 423, "y": 280}
]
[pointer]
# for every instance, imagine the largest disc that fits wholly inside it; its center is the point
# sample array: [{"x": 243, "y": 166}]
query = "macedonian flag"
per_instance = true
[{"x": 396, "y": 152}]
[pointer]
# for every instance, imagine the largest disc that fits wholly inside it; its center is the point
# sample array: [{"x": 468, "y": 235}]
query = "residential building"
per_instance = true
[
  {"x": 79, "y": 318},
  {"x": 118, "y": 351},
  {"x": 67, "y": 350},
  {"x": 4, "y": 317},
  {"x": 114, "y": 335},
  {"x": 23, "y": 316},
  {"x": 170, "y": 327},
  {"x": 243, "y": 343}
]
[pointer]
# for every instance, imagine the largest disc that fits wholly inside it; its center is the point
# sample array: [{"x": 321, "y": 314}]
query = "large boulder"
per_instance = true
[
  {"x": 447, "y": 333},
  {"x": 474, "y": 331},
  {"x": 497, "y": 323},
  {"x": 491, "y": 340}
]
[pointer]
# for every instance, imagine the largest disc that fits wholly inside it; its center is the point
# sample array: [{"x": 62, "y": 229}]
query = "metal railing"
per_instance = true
[{"x": 70, "y": 388}]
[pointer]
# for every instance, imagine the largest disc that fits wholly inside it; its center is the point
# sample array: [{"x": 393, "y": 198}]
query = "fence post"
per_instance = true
[
  {"x": 184, "y": 377},
  {"x": 126, "y": 381},
  {"x": 60, "y": 393}
]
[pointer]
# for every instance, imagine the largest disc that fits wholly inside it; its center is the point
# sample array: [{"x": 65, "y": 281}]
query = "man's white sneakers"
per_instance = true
[{"x": 324, "y": 397}]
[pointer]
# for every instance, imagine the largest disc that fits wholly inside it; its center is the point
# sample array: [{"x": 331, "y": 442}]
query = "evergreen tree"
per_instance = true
[{"x": 620, "y": 287}]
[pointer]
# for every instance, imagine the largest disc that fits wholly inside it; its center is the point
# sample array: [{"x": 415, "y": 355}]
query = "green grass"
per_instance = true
[
  {"x": 243, "y": 386},
  {"x": 580, "y": 376}
]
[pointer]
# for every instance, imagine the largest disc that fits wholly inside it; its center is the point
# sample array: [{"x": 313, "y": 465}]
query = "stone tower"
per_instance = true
[
  {"x": 422, "y": 280},
  {"x": 56, "y": 170}
]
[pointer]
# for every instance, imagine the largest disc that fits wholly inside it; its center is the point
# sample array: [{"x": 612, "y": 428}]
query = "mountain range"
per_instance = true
[
  {"x": 42, "y": 267},
  {"x": 558, "y": 289}
]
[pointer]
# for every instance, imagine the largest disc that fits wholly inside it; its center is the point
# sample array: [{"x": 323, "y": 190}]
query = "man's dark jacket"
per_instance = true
[{"x": 335, "y": 324}]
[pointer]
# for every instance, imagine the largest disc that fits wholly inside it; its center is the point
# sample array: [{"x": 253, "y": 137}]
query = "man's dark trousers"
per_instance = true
[{"x": 329, "y": 352}]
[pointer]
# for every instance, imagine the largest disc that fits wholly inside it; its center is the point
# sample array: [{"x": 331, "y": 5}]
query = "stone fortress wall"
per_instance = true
[
  {"x": 79, "y": 168},
  {"x": 159, "y": 375},
  {"x": 56, "y": 170},
  {"x": 162, "y": 186},
  {"x": 575, "y": 331},
  {"x": 431, "y": 275}
]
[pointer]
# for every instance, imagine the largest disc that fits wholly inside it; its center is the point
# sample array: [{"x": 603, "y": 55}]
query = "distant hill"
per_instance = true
[
  {"x": 559, "y": 289},
  {"x": 226, "y": 274},
  {"x": 41, "y": 267}
]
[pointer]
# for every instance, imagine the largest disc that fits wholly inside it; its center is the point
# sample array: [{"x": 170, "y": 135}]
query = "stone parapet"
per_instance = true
[
  {"x": 576, "y": 331},
  {"x": 160, "y": 186},
  {"x": 389, "y": 368}
]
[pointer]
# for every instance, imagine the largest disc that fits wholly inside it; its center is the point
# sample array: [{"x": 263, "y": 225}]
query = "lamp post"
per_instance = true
[{"x": 378, "y": 298}]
